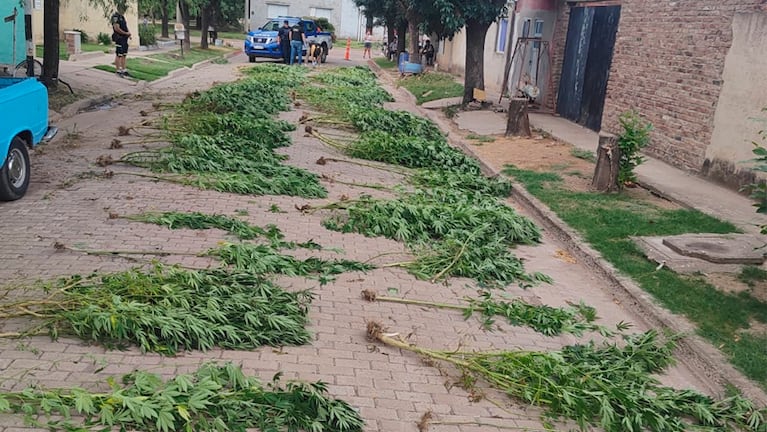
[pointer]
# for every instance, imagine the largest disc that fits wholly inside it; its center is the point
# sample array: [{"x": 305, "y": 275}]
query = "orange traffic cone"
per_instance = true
[{"x": 347, "y": 56}]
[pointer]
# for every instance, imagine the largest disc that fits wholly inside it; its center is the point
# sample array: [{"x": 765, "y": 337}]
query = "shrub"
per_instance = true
[
  {"x": 147, "y": 35},
  {"x": 635, "y": 136},
  {"x": 104, "y": 39},
  {"x": 84, "y": 38}
]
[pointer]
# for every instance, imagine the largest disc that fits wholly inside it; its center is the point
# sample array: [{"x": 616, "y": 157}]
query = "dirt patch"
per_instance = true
[
  {"x": 541, "y": 153},
  {"x": 729, "y": 283}
]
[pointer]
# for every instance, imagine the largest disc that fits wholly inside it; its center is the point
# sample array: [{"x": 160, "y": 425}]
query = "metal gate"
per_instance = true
[{"x": 586, "y": 67}]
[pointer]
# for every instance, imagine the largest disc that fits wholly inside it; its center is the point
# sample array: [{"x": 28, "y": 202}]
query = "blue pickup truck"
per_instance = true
[
  {"x": 23, "y": 125},
  {"x": 263, "y": 42}
]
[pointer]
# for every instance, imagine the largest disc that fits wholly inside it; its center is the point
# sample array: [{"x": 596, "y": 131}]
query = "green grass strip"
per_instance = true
[
  {"x": 431, "y": 86},
  {"x": 607, "y": 221}
]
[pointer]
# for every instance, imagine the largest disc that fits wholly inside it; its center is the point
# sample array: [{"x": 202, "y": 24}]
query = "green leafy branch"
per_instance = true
[
  {"x": 211, "y": 399},
  {"x": 168, "y": 310},
  {"x": 607, "y": 386}
]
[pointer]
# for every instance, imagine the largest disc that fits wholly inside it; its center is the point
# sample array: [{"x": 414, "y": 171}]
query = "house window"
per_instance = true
[
  {"x": 321, "y": 12},
  {"x": 526, "y": 28},
  {"x": 38, "y": 4},
  {"x": 503, "y": 36},
  {"x": 538, "y": 30},
  {"x": 276, "y": 10}
]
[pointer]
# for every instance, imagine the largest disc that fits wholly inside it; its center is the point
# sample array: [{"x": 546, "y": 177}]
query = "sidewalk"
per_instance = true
[
  {"x": 670, "y": 182},
  {"x": 667, "y": 181}
]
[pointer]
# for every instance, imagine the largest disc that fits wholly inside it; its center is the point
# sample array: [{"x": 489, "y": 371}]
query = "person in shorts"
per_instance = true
[
  {"x": 368, "y": 45},
  {"x": 120, "y": 36},
  {"x": 314, "y": 53}
]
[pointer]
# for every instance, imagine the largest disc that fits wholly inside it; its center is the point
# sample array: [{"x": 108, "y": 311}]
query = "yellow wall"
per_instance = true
[{"x": 79, "y": 14}]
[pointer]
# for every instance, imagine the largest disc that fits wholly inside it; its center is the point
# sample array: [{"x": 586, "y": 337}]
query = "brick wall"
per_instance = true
[
  {"x": 668, "y": 63},
  {"x": 558, "y": 51}
]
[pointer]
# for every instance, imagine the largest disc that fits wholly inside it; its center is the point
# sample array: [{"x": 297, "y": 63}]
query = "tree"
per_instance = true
[
  {"x": 50, "y": 43},
  {"x": 475, "y": 16}
]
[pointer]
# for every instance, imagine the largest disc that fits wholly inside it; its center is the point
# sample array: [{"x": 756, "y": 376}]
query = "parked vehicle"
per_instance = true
[
  {"x": 263, "y": 42},
  {"x": 24, "y": 124}
]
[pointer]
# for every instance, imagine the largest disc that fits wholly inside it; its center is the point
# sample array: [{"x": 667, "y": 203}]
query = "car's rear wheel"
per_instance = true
[
  {"x": 252, "y": 59},
  {"x": 14, "y": 175}
]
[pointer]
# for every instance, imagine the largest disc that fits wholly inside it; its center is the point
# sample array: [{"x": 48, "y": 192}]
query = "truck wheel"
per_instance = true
[
  {"x": 252, "y": 59},
  {"x": 14, "y": 175},
  {"x": 324, "y": 57}
]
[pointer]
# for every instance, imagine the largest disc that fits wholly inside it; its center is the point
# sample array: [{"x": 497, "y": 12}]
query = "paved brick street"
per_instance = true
[{"x": 392, "y": 389}]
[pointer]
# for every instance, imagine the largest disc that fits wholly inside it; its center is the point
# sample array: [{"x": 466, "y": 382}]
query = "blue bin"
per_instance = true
[
  {"x": 413, "y": 68},
  {"x": 403, "y": 59}
]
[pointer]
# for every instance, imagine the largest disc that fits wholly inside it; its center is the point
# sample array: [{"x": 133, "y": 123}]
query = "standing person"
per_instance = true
[
  {"x": 297, "y": 41},
  {"x": 368, "y": 45},
  {"x": 428, "y": 53},
  {"x": 120, "y": 37},
  {"x": 283, "y": 38}
]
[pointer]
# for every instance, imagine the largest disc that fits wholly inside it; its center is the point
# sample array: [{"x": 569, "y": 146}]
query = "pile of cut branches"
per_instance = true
[
  {"x": 452, "y": 232},
  {"x": 452, "y": 221},
  {"x": 608, "y": 386},
  {"x": 211, "y": 399},
  {"x": 168, "y": 310},
  {"x": 223, "y": 139}
]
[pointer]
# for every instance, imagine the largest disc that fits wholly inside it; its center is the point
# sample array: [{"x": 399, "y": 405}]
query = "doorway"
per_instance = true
[{"x": 586, "y": 68}]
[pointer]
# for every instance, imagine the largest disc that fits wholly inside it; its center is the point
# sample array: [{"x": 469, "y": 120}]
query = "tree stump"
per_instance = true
[
  {"x": 608, "y": 163},
  {"x": 518, "y": 123}
]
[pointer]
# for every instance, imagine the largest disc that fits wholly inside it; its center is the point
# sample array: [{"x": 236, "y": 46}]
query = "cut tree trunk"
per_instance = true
[
  {"x": 518, "y": 123},
  {"x": 608, "y": 164}
]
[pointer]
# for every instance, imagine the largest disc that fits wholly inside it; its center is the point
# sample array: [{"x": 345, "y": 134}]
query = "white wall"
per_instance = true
[
  {"x": 80, "y": 14},
  {"x": 343, "y": 14},
  {"x": 739, "y": 116}
]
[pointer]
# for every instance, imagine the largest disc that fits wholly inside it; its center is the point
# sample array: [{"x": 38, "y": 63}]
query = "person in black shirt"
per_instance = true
[
  {"x": 297, "y": 41},
  {"x": 120, "y": 37},
  {"x": 283, "y": 38}
]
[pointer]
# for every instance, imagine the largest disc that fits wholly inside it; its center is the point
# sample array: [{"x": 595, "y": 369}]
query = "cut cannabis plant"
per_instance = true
[
  {"x": 263, "y": 259},
  {"x": 546, "y": 320},
  {"x": 453, "y": 233},
  {"x": 241, "y": 229},
  {"x": 196, "y": 220},
  {"x": 224, "y": 139},
  {"x": 213, "y": 398},
  {"x": 607, "y": 386},
  {"x": 169, "y": 310}
]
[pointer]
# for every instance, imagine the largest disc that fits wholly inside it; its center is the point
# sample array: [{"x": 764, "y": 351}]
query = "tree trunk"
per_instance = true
[
  {"x": 518, "y": 123},
  {"x": 390, "y": 31},
  {"x": 50, "y": 43},
  {"x": 204, "y": 23},
  {"x": 475, "y": 59},
  {"x": 183, "y": 7},
  {"x": 164, "y": 32},
  {"x": 412, "y": 28},
  {"x": 401, "y": 34},
  {"x": 608, "y": 164}
]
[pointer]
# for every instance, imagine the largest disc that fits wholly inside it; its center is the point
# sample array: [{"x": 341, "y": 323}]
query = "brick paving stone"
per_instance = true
[{"x": 391, "y": 388}]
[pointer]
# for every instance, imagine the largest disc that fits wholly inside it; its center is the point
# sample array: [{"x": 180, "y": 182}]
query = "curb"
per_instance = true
[
  {"x": 185, "y": 70},
  {"x": 707, "y": 363}
]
